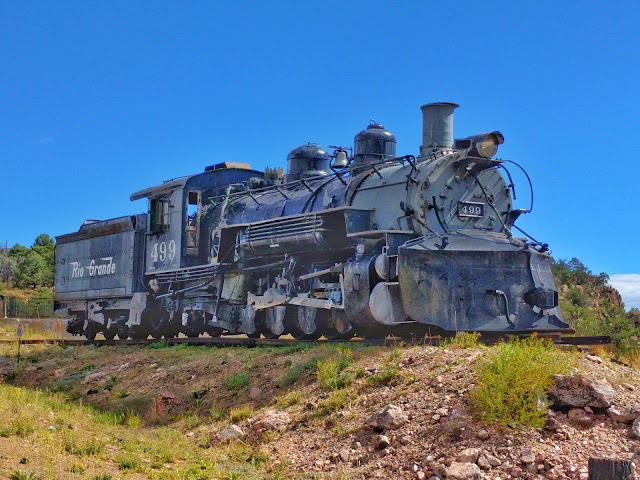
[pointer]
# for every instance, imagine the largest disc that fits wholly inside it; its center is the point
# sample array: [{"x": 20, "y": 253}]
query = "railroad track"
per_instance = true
[{"x": 232, "y": 341}]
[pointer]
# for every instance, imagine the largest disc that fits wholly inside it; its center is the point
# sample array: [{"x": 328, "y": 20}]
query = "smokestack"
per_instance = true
[{"x": 437, "y": 126}]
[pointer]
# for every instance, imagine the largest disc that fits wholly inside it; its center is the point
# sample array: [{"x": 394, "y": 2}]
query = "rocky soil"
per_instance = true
[{"x": 419, "y": 427}]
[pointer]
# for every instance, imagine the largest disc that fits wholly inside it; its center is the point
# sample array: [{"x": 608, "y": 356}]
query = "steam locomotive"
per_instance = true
[{"x": 358, "y": 241}]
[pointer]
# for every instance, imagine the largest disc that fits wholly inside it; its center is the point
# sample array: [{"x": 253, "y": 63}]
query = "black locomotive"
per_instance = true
[{"x": 368, "y": 244}]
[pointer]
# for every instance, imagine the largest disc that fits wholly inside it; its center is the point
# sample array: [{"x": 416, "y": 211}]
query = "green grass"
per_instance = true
[
  {"x": 240, "y": 413},
  {"x": 237, "y": 381},
  {"x": 389, "y": 374},
  {"x": 463, "y": 340},
  {"x": 510, "y": 385},
  {"x": 333, "y": 372},
  {"x": 293, "y": 374}
]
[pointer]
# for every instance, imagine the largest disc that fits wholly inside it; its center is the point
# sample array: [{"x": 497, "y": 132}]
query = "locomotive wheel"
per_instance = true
[
  {"x": 255, "y": 334},
  {"x": 270, "y": 335},
  {"x": 109, "y": 335},
  {"x": 138, "y": 334},
  {"x": 339, "y": 336},
  {"x": 91, "y": 336},
  {"x": 298, "y": 335},
  {"x": 214, "y": 332}
]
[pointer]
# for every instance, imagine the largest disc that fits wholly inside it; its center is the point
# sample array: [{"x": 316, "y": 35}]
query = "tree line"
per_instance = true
[{"x": 22, "y": 267}]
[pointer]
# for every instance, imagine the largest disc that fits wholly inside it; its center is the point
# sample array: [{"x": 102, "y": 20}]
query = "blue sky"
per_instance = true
[{"x": 99, "y": 99}]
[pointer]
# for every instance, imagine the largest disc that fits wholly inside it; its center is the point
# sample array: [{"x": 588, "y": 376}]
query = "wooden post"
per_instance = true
[
  {"x": 19, "y": 332},
  {"x": 610, "y": 469}
]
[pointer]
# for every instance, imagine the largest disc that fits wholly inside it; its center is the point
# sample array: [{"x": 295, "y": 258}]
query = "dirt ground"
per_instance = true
[{"x": 199, "y": 392}]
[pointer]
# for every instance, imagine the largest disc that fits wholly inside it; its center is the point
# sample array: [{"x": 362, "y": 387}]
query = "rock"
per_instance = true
[
  {"x": 92, "y": 377},
  {"x": 502, "y": 450},
  {"x": 594, "y": 358},
  {"x": 482, "y": 435},
  {"x": 389, "y": 417},
  {"x": 635, "y": 429},
  {"x": 581, "y": 391},
  {"x": 443, "y": 412},
  {"x": 580, "y": 417},
  {"x": 381, "y": 442},
  {"x": 551, "y": 424},
  {"x": 463, "y": 471},
  {"x": 493, "y": 461},
  {"x": 421, "y": 475},
  {"x": 516, "y": 472},
  {"x": 122, "y": 367},
  {"x": 254, "y": 393},
  {"x": 626, "y": 415},
  {"x": 628, "y": 386},
  {"x": 483, "y": 463},
  {"x": 164, "y": 402},
  {"x": 344, "y": 455},
  {"x": 232, "y": 432},
  {"x": 58, "y": 373},
  {"x": 468, "y": 455},
  {"x": 405, "y": 440},
  {"x": 270, "y": 420},
  {"x": 528, "y": 458}
]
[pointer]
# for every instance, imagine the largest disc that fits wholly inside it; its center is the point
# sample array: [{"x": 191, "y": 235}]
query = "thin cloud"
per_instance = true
[
  {"x": 628, "y": 284},
  {"x": 47, "y": 140}
]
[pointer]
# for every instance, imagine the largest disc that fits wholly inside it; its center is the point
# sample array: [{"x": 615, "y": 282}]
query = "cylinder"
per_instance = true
[{"x": 437, "y": 126}]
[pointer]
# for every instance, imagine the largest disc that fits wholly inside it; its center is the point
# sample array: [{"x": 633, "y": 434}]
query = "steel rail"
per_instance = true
[{"x": 233, "y": 341}]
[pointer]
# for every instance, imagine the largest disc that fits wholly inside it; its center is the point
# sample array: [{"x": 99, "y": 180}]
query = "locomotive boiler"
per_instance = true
[{"x": 368, "y": 243}]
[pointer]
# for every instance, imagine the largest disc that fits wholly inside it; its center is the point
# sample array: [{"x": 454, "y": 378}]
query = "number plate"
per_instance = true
[{"x": 470, "y": 210}]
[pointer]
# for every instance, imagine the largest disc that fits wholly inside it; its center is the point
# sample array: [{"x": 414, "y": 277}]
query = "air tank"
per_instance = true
[
  {"x": 373, "y": 144},
  {"x": 306, "y": 161}
]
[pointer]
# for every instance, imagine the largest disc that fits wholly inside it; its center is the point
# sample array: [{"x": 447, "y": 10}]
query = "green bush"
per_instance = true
[{"x": 511, "y": 383}]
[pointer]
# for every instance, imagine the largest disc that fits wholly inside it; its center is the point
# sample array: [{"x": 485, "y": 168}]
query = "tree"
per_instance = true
[
  {"x": 8, "y": 266},
  {"x": 31, "y": 271},
  {"x": 45, "y": 247}
]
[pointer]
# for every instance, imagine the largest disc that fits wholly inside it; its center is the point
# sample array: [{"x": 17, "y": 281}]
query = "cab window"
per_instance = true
[
  {"x": 192, "y": 228},
  {"x": 159, "y": 213}
]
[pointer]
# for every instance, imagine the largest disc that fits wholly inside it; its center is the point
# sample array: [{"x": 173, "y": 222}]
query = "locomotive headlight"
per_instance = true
[
  {"x": 487, "y": 144},
  {"x": 484, "y": 145}
]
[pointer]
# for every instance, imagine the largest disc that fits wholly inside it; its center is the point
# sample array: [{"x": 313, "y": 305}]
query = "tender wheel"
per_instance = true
[
  {"x": 255, "y": 334},
  {"x": 109, "y": 335}
]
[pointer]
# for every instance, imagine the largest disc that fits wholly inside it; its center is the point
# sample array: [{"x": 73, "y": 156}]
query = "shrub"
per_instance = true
[
  {"x": 22, "y": 475},
  {"x": 237, "y": 381},
  {"x": 463, "y": 340},
  {"x": 332, "y": 372},
  {"x": 511, "y": 383}
]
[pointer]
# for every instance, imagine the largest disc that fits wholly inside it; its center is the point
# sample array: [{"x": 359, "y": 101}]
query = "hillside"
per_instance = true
[{"x": 290, "y": 412}]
